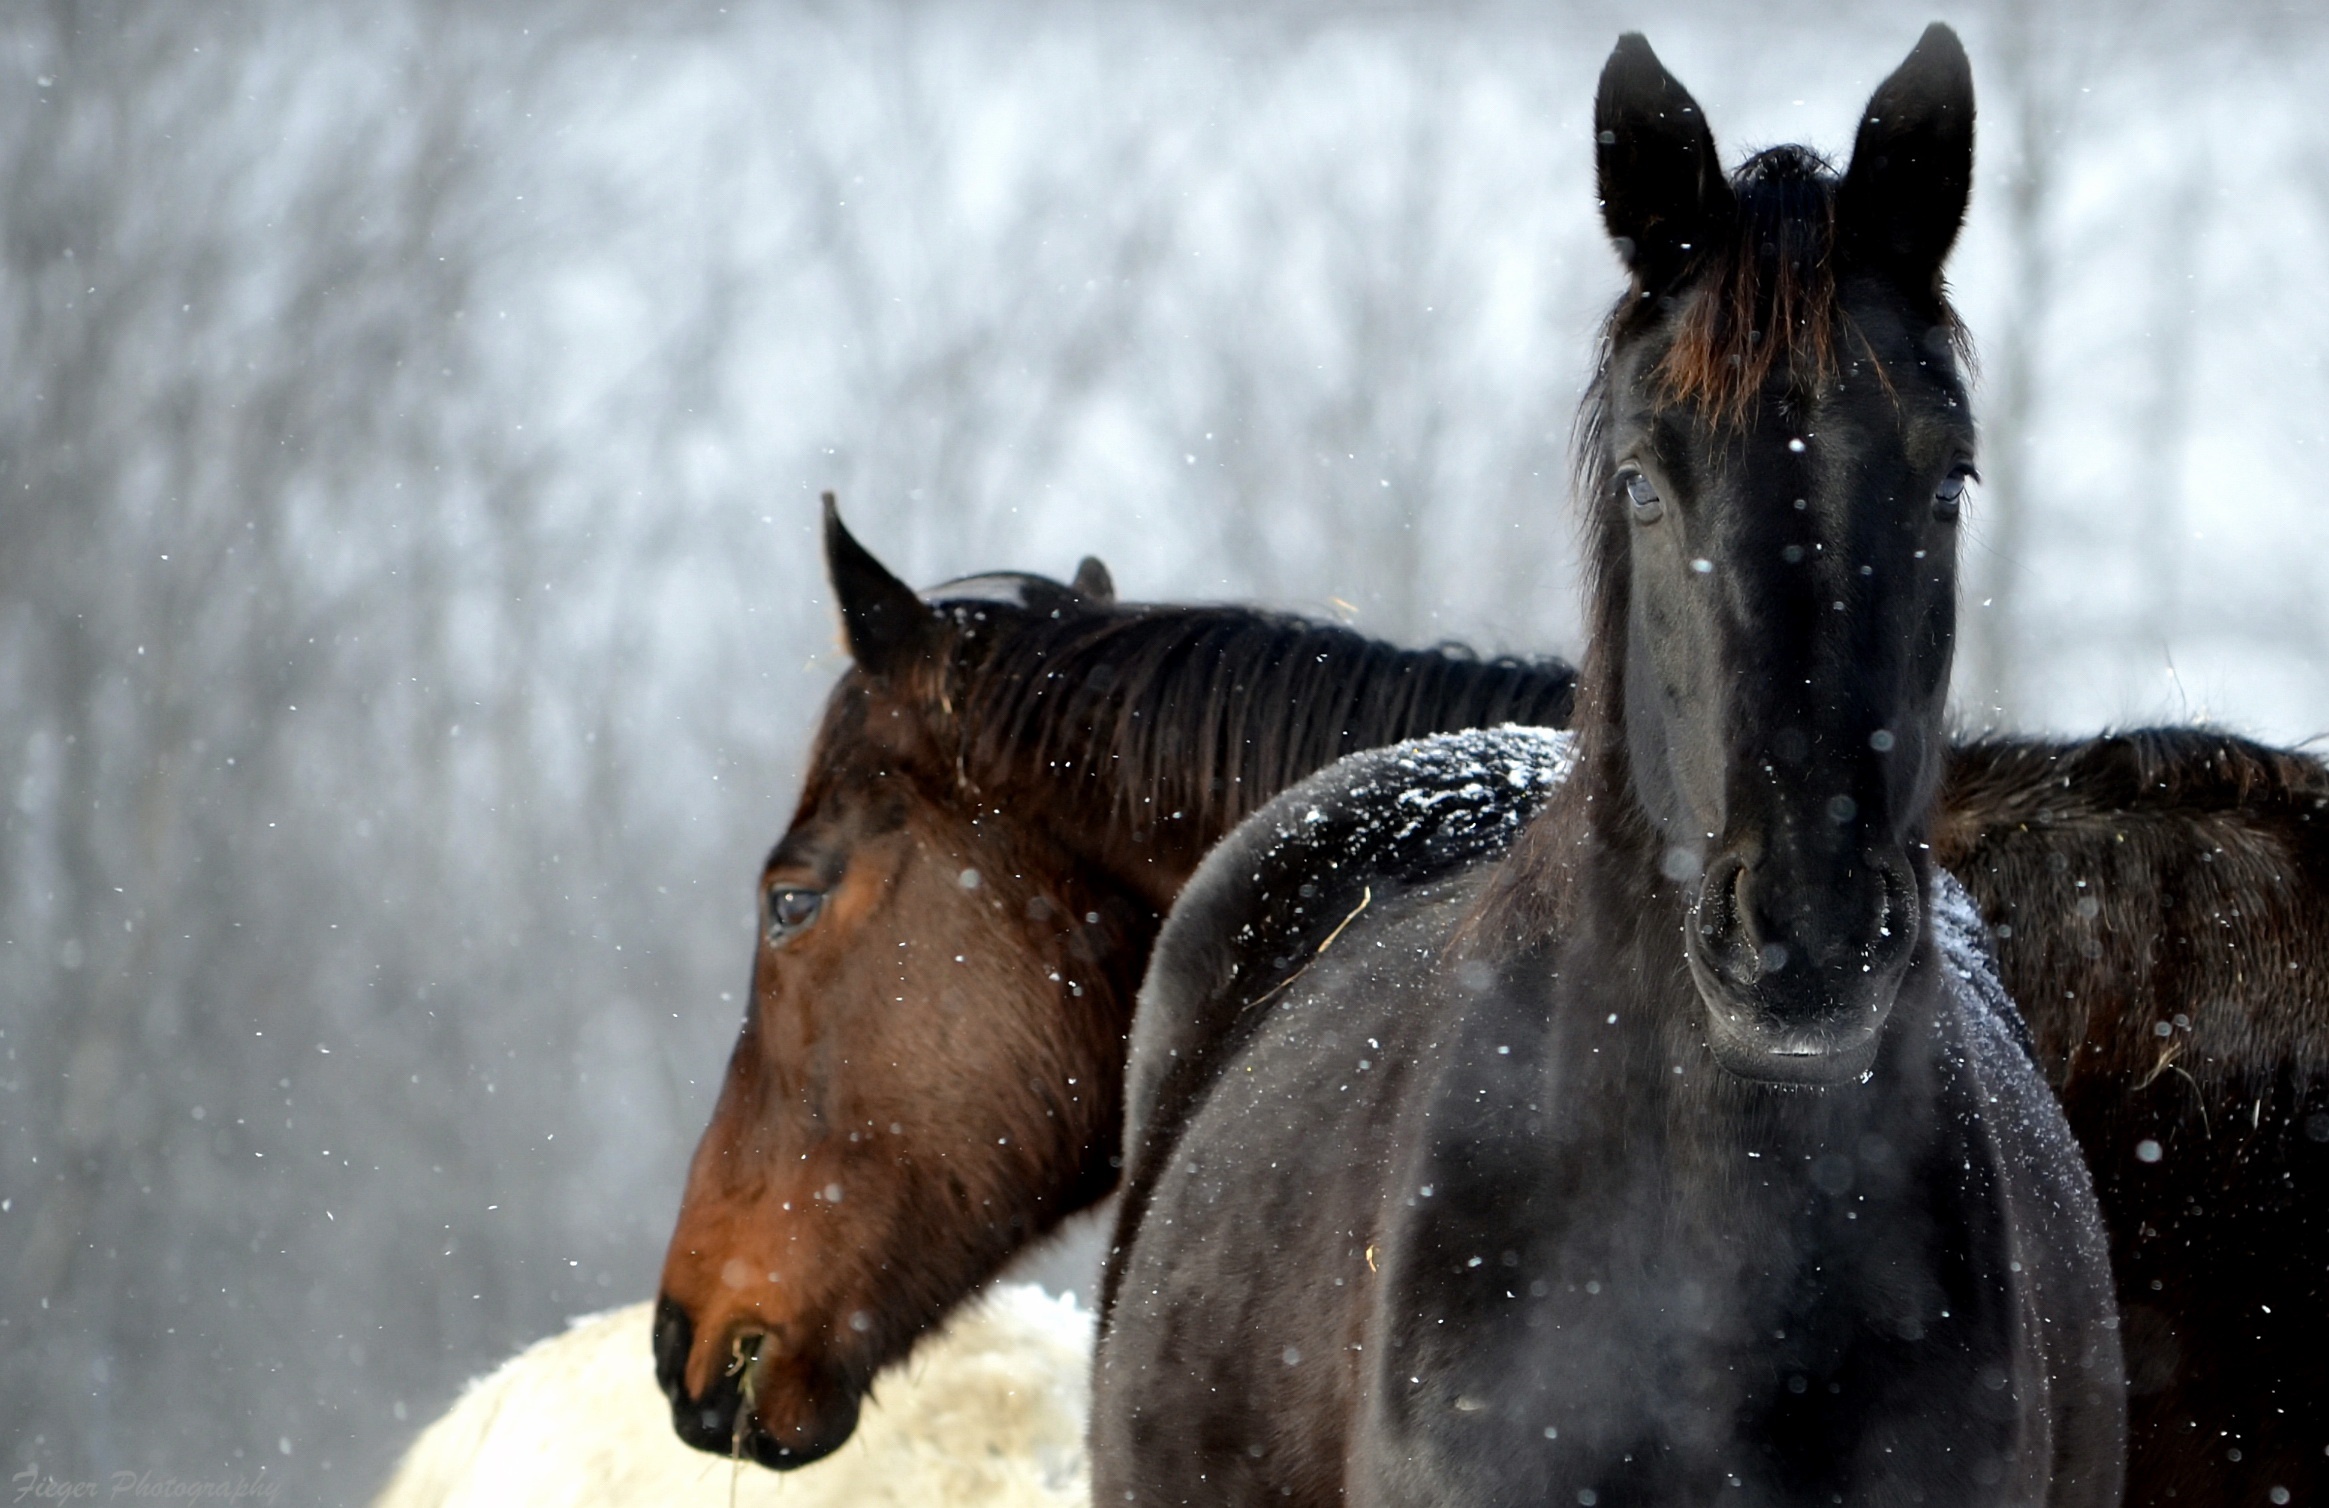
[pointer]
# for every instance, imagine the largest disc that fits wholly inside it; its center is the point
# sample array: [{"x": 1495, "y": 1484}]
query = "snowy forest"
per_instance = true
[{"x": 411, "y": 623}]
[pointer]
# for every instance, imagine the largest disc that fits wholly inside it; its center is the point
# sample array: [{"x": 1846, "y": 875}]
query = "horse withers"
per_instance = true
[{"x": 1681, "y": 1151}]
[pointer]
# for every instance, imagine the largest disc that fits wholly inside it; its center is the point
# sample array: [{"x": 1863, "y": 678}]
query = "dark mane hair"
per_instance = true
[
  {"x": 2064, "y": 843},
  {"x": 1767, "y": 292},
  {"x": 1205, "y": 712},
  {"x": 1769, "y": 289}
]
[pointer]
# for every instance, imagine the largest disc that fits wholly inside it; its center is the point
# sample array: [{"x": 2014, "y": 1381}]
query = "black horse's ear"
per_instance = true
[
  {"x": 1903, "y": 198},
  {"x": 889, "y": 628},
  {"x": 1662, "y": 189},
  {"x": 1092, "y": 580}
]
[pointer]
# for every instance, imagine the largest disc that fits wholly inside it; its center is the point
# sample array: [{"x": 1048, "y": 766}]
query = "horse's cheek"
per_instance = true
[{"x": 1935, "y": 643}]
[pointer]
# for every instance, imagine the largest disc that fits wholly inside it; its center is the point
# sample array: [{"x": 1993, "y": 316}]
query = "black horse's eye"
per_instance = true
[
  {"x": 1648, "y": 506},
  {"x": 1949, "y": 497},
  {"x": 791, "y": 910}
]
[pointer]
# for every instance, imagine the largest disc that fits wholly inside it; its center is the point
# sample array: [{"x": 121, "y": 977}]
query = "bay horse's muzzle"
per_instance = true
[
  {"x": 759, "y": 1405},
  {"x": 1798, "y": 977}
]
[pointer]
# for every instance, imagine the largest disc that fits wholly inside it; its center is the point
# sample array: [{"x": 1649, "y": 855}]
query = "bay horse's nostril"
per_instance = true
[
  {"x": 743, "y": 1360},
  {"x": 674, "y": 1338}
]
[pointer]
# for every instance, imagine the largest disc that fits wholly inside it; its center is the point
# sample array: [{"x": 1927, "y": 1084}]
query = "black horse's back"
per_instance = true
[
  {"x": 1266, "y": 905},
  {"x": 1287, "y": 1006}
]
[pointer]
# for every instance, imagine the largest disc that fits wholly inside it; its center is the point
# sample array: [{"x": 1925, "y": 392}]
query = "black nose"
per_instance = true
[
  {"x": 674, "y": 1335},
  {"x": 817, "y": 1407},
  {"x": 709, "y": 1422},
  {"x": 1799, "y": 970},
  {"x": 1799, "y": 943}
]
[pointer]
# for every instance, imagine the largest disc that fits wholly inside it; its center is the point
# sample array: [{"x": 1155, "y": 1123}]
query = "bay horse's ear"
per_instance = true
[
  {"x": 1661, "y": 184},
  {"x": 1092, "y": 580},
  {"x": 889, "y": 628},
  {"x": 1903, "y": 198}
]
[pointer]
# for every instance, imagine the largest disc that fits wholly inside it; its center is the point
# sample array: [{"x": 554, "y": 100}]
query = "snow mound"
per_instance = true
[{"x": 987, "y": 1412}]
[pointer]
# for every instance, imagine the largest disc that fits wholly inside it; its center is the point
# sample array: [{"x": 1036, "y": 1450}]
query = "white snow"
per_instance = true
[{"x": 986, "y": 1413}]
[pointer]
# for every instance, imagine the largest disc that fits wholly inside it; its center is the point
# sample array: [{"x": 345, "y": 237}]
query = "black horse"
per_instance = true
[{"x": 1687, "y": 1150}]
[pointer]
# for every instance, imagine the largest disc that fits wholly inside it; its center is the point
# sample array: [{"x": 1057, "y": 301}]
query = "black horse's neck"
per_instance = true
[{"x": 1593, "y": 832}]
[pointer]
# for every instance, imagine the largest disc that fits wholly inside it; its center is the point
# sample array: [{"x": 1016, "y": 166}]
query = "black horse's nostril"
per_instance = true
[
  {"x": 1898, "y": 916},
  {"x": 1726, "y": 940},
  {"x": 1717, "y": 907}
]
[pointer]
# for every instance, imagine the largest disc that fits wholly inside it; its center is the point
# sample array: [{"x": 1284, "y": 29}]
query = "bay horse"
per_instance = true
[
  {"x": 2159, "y": 901},
  {"x": 1687, "y": 1147},
  {"x": 1010, "y": 785},
  {"x": 2205, "y": 853}
]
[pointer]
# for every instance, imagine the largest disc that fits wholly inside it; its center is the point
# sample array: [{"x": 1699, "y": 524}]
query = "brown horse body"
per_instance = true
[
  {"x": 2159, "y": 902},
  {"x": 950, "y": 1059},
  {"x": 1005, "y": 796}
]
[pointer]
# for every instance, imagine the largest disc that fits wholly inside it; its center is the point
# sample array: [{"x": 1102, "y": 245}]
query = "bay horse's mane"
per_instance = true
[
  {"x": 2062, "y": 841},
  {"x": 1203, "y": 713}
]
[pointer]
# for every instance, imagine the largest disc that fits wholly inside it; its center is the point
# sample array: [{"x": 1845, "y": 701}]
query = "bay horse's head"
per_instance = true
[
  {"x": 1774, "y": 467},
  {"x": 916, "y": 1070}
]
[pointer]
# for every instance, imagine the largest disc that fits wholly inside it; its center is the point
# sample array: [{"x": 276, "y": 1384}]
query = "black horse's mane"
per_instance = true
[
  {"x": 1205, "y": 712},
  {"x": 1769, "y": 304}
]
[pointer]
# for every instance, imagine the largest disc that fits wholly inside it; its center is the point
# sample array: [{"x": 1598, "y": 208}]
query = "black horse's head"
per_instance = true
[{"x": 1780, "y": 449}]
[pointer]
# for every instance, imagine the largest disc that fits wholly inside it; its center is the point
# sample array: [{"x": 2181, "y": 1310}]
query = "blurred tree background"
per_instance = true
[{"x": 410, "y": 620}]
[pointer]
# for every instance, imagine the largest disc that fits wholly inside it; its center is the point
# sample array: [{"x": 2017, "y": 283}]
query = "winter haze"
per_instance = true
[{"x": 410, "y": 619}]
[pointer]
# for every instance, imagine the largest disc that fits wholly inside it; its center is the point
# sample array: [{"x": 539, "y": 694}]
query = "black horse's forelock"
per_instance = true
[
  {"x": 1760, "y": 300},
  {"x": 1768, "y": 303},
  {"x": 1206, "y": 712},
  {"x": 1759, "y": 307}
]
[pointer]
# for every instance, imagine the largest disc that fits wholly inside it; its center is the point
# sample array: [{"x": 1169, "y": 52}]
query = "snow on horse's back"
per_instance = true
[{"x": 989, "y": 1410}]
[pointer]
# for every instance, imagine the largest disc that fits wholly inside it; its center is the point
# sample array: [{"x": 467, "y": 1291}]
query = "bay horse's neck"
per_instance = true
[{"x": 1140, "y": 736}]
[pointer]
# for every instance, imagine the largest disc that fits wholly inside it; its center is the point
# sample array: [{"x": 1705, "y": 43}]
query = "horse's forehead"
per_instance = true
[
  {"x": 1906, "y": 396},
  {"x": 871, "y": 760},
  {"x": 871, "y": 723}
]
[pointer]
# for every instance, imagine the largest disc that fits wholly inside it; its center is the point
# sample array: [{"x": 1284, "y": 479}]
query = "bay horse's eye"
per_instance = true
[
  {"x": 791, "y": 910},
  {"x": 1949, "y": 497},
  {"x": 1648, "y": 506}
]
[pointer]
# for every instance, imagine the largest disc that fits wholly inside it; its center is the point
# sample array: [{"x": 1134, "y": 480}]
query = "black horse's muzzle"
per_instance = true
[{"x": 1799, "y": 975}]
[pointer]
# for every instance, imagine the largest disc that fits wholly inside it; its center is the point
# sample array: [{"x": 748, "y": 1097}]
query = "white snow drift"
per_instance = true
[{"x": 988, "y": 1411}]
